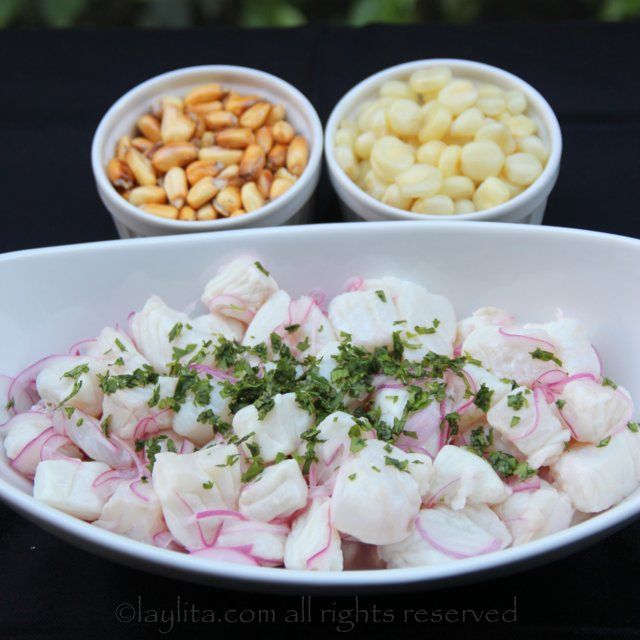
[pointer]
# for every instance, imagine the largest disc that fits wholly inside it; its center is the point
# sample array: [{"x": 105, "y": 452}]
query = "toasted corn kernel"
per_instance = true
[
  {"x": 252, "y": 162},
  {"x": 283, "y": 132},
  {"x": 202, "y": 169},
  {"x": 264, "y": 138},
  {"x": 200, "y": 127},
  {"x": 265, "y": 178},
  {"x": 220, "y": 154},
  {"x": 278, "y": 187},
  {"x": 239, "y": 104},
  {"x": 174, "y": 154},
  {"x": 119, "y": 174},
  {"x": 187, "y": 213},
  {"x": 235, "y": 138},
  {"x": 251, "y": 197},
  {"x": 141, "y": 144},
  {"x": 201, "y": 193},
  {"x": 276, "y": 114},
  {"x": 171, "y": 100},
  {"x": 297, "y": 155},
  {"x": 277, "y": 157},
  {"x": 208, "y": 139},
  {"x": 149, "y": 127},
  {"x": 206, "y": 213},
  {"x": 237, "y": 212},
  {"x": 220, "y": 120},
  {"x": 228, "y": 201},
  {"x": 141, "y": 167},
  {"x": 255, "y": 116},
  {"x": 160, "y": 210},
  {"x": 230, "y": 173},
  {"x": 205, "y": 93},
  {"x": 175, "y": 184},
  {"x": 286, "y": 174},
  {"x": 147, "y": 195},
  {"x": 204, "y": 108},
  {"x": 122, "y": 146},
  {"x": 175, "y": 126}
]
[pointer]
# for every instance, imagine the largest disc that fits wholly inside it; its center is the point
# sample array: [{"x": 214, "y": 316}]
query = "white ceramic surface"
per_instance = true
[
  {"x": 531, "y": 270},
  {"x": 121, "y": 118},
  {"x": 527, "y": 207}
]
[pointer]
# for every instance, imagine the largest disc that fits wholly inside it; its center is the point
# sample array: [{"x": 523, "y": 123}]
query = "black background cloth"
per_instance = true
[{"x": 55, "y": 87}]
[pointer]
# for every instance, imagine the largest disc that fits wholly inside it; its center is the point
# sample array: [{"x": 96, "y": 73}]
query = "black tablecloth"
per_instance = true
[{"x": 55, "y": 88}]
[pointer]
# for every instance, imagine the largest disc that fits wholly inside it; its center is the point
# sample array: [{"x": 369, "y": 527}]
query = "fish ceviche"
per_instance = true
[{"x": 374, "y": 431}]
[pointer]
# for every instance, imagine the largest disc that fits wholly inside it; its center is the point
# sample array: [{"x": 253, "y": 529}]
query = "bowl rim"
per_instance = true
[
  {"x": 156, "y": 559},
  {"x": 537, "y": 102},
  {"x": 119, "y": 109}
]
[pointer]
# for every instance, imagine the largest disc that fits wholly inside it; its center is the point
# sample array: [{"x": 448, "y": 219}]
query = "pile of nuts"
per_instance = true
[
  {"x": 441, "y": 145},
  {"x": 214, "y": 154}
]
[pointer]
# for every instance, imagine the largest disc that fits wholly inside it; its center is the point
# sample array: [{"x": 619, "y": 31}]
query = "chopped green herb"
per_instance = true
[
  {"x": 352, "y": 476},
  {"x": 607, "y": 382},
  {"x": 208, "y": 484},
  {"x": 76, "y": 372},
  {"x": 604, "y": 442},
  {"x": 104, "y": 425},
  {"x": 259, "y": 267},
  {"x": 380, "y": 293},
  {"x": 517, "y": 401},
  {"x": 633, "y": 426},
  {"x": 483, "y": 397},
  {"x": 507, "y": 465},
  {"x": 303, "y": 345},
  {"x": 120, "y": 345},
  {"x": 560, "y": 403},
  {"x": 292, "y": 328},
  {"x": 546, "y": 356},
  {"x": 175, "y": 331},
  {"x": 401, "y": 465},
  {"x": 515, "y": 420}
]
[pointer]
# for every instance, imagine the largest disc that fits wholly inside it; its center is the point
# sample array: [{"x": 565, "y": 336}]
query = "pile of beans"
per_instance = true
[
  {"x": 437, "y": 144},
  {"x": 213, "y": 154}
]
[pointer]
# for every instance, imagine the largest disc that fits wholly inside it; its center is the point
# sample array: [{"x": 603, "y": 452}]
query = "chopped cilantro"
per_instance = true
[
  {"x": 352, "y": 476},
  {"x": 633, "y": 426},
  {"x": 607, "y": 382},
  {"x": 515, "y": 420},
  {"x": 208, "y": 484},
  {"x": 560, "y": 403},
  {"x": 292, "y": 328},
  {"x": 175, "y": 331},
  {"x": 604, "y": 442},
  {"x": 507, "y": 465},
  {"x": 546, "y": 356},
  {"x": 259, "y": 267},
  {"x": 483, "y": 397},
  {"x": 401, "y": 465},
  {"x": 76, "y": 372},
  {"x": 104, "y": 425},
  {"x": 120, "y": 345},
  {"x": 380, "y": 293},
  {"x": 517, "y": 401}
]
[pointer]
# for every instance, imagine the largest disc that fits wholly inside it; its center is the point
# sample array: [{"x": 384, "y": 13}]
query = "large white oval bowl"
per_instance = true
[{"x": 53, "y": 297}]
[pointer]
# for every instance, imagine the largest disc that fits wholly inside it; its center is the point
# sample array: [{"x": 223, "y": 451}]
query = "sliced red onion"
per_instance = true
[
  {"x": 90, "y": 438},
  {"x": 30, "y": 455},
  {"x": 76, "y": 349},
  {"x": 227, "y": 302},
  {"x": 521, "y": 336},
  {"x": 353, "y": 284},
  {"x": 430, "y": 539},
  {"x": 23, "y": 388},
  {"x": 215, "y": 373},
  {"x": 318, "y": 296},
  {"x": 530, "y": 484},
  {"x": 534, "y": 426},
  {"x": 148, "y": 425}
]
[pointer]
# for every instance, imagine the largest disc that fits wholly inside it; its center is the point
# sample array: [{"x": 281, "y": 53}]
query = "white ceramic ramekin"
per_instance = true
[
  {"x": 121, "y": 118},
  {"x": 528, "y": 206}
]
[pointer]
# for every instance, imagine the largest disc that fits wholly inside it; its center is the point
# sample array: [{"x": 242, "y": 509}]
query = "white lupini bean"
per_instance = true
[
  {"x": 516, "y": 102},
  {"x": 397, "y": 89},
  {"x": 429, "y": 152},
  {"x": 374, "y": 185},
  {"x": 481, "y": 159},
  {"x": 437, "y": 120},
  {"x": 347, "y": 160},
  {"x": 458, "y": 96},
  {"x": 523, "y": 168},
  {"x": 437, "y": 144},
  {"x": 522, "y": 125},
  {"x": 394, "y": 198},
  {"x": 498, "y": 133},
  {"x": 492, "y": 105},
  {"x": 464, "y": 206},
  {"x": 467, "y": 124},
  {"x": 404, "y": 117},
  {"x": 364, "y": 143},
  {"x": 490, "y": 193},
  {"x": 435, "y": 206},
  {"x": 534, "y": 146},
  {"x": 427, "y": 81},
  {"x": 390, "y": 156},
  {"x": 458, "y": 187},
  {"x": 449, "y": 161},
  {"x": 419, "y": 181},
  {"x": 345, "y": 137}
]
